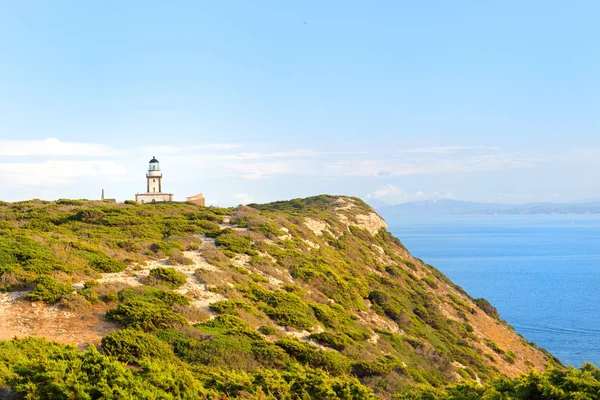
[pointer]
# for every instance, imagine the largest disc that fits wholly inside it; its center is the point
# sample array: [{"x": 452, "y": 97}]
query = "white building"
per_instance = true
[
  {"x": 154, "y": 191},
  {"x": 197, "y": 199}
]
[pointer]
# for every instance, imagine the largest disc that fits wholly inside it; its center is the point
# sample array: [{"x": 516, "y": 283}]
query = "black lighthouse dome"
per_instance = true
[{"x": 154, "y": 165}]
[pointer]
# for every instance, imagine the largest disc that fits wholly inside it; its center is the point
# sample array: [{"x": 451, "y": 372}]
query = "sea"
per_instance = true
[{"x": 542, "y": 272}]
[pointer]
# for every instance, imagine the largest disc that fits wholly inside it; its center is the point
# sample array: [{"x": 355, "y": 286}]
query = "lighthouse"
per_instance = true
[{"x": 154, "y": 191}]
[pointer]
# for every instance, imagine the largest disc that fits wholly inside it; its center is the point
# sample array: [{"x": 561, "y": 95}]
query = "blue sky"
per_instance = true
[{"x": 267, "y": 100}]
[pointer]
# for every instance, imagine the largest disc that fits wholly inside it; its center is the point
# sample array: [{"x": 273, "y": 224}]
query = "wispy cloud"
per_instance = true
[
  {"x": 261, "y": 170},
  {"x": 427, "y": 165},
  {"x": 441, "y": 149},
  {"x": 391, "y": 194},
  {"x": 55, "y": 147},
  {"x": 58, "y": 172},
  {"x": 331, "y": 164},
  {"x": 286, "y": 155},
  {"x": 243, "y": 198},
  {"x": 191, "y": 148}
]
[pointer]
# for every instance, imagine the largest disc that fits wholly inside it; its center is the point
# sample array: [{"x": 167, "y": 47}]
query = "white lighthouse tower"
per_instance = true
[
  {"x": 154, "y": 177},
  {"x": 154, "y": 191}
]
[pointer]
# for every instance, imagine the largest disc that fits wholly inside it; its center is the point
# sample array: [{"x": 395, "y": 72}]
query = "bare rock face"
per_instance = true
[{"x": 371, "y": 222}]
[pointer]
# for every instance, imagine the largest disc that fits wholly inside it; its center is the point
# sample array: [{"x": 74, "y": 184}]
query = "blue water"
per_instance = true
[{"x": 541, "y": 272}]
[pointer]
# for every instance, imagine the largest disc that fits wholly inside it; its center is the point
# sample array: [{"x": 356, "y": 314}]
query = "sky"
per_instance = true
[{"x": 256, "y": 101}]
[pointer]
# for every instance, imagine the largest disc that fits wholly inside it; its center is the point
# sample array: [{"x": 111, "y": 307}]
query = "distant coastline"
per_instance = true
[{"x": 457, "y": 207}]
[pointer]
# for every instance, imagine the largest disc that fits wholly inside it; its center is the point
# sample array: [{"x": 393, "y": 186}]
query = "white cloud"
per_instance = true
[
  {"x": 340, "y": 164},
  {"x": 441, "y": 149},
  {"x": 290, "y": 154},
  {"x": 426, "y": 165},
  {"x": 58, "y": 172},
  {"x": 180, "y": 149},
  {"x": 391, "y": 194},
  {"x": 243, "y": 198},
  {"x": 54, "y": 147},
  {"x": 261, "y": 170}
]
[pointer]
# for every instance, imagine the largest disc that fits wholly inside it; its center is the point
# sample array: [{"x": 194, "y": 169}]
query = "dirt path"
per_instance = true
[{"x": 21, "y": 318}]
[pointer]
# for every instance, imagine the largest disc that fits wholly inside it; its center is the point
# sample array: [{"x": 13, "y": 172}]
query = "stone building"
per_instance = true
[
  {"x": 197, "y": 199},
  {"x": 154, "y": 191}
]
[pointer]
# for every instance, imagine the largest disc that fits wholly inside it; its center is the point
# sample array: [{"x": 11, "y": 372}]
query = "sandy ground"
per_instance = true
[{"x": 21, "y": 318}]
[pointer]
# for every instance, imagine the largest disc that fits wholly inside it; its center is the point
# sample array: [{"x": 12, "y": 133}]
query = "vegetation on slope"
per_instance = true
[{"x": 314, "y": 298}]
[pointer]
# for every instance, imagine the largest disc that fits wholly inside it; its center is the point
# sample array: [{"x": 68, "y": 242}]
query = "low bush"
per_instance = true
[
  {"x": 103, "y": 263},
  {"x": 145, "y": 314},
  {"x": 335, "y": 341},
  {"x": 48, "y": 290},
  {"x": 177, "y": 258},
  {"x": 268, "y": 330},
  {"x": 75, "y": 303},
  {"x": 168, "y": 277},
  {"x": 38, "y": 369},
  {"x": 230, "y": 240},
  {"x": 381, "y": 366},
  {"x": 130, "y": 345},
  {"x": 331, "y": 362},
  {"x": 230, "y": 307},
  {"x": 286, "y": 309},
  {"x": 487, "y": 308}
]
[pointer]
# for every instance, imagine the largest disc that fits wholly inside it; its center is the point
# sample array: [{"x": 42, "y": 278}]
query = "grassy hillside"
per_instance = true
[{"x": 308, "y": 298}]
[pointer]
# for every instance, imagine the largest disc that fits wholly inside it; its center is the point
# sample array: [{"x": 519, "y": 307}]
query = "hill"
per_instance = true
[{"x": 308, "y": 298}]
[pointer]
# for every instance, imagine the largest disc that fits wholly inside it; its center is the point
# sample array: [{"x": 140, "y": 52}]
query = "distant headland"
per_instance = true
[{"x": 457, "y": 207}]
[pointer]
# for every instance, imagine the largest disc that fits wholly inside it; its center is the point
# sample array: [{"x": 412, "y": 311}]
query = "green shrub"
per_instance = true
[
  {"x": 145, "y": 314},
  {"x": 491, "y": 344},
  {"x": 390, "y": 307},
  {"x": 48, "y": 290},
  {"x": 332, "y": 340},
  {"x": 168, "y": 277},
  {"x": 227, "y": 322},
  {"x": 331, "y": 362},
  {"x": 381, "y": 366},
  {"x": 268, "y": 330},
  {"x": 487, "y": 308},
  {"x": 230, "y": 240},
  {"x": 42, "y": 370},
  {"x": 286, "y": 309},
  {"x": 165, "y": 298},
  {"x": 90, "y": 284},
  {"x": 270, "y": 355},
  {"x": 165, "y": 248},
  {"x": 90, "y": 295},
  {"x": 229, "y": 306},
  {"x": 70, "y": 202},
  {"x": 75, "y": 303},
  {"x": 209, "y": 228},
  {"x": 177, "y": 258},
  {"x": 130, "y": 345},
  {"x": 103, "y": 263},
  {"x": 510, "y": 357},
  {"x": 296, "y": 382},
  {"x": 430, "y": 282}
]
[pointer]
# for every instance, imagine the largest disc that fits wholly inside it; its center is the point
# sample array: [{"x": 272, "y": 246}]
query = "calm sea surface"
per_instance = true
[{"x": 541, "y": 272}]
